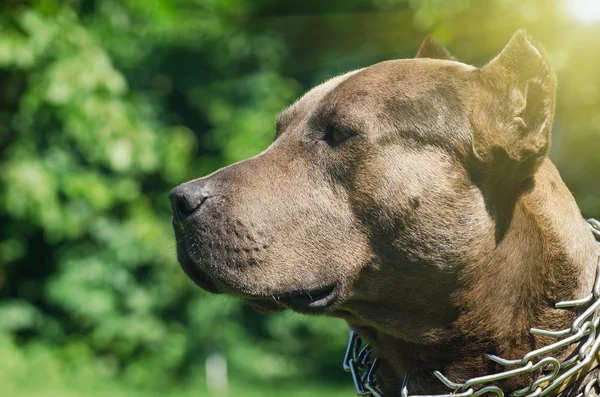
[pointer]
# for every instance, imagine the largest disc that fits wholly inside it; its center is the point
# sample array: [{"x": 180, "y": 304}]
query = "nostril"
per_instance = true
[
  {"x": 183, "y": 208},
  {"x": 185, "y": 200}
]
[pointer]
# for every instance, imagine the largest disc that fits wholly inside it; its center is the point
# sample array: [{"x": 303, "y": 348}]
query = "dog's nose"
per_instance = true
[{"x": 187, "y": 198}]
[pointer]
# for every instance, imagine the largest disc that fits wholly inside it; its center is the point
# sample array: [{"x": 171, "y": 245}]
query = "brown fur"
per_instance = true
[{"x": 440, "y": 225}]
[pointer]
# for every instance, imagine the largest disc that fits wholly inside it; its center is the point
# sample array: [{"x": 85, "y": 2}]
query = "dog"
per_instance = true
[{"x": 415, "y": 200}]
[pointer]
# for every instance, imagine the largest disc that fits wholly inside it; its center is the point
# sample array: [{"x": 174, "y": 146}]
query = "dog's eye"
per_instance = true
[{"x": 336, "y": 134}]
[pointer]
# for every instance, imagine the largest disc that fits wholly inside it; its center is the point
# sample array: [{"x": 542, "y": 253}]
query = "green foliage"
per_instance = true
[
  {"x": 72, "y": 371},
  {"x": 105, "y": 105},
  {"x": 89, "y": 153}
]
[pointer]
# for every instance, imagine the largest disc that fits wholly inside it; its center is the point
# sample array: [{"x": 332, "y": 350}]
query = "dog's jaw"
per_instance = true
[{"x": 514, "y": 289}]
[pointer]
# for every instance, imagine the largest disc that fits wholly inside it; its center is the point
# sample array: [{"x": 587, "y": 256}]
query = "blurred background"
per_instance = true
[{"x": 105, "y": 105}]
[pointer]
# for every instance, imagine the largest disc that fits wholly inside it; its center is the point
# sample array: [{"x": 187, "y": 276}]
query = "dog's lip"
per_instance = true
[
  {"x": 311, "y": 300},
  {"x": 200, "y": 278}
]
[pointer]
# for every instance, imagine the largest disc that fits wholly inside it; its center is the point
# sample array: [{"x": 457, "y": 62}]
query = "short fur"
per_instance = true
[{"x": 419, "y": 193}]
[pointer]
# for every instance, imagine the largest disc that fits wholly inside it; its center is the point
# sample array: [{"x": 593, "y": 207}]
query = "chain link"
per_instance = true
[{"x": 556, "y": 375}]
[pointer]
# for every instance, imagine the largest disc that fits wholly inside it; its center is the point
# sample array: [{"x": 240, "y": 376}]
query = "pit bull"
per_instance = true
[{"x": 415, "y": 200}]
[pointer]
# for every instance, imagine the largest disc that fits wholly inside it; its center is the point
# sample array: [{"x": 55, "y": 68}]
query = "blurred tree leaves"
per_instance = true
[
  {"x": 118, "y": 100},
  {"x": 107, "y": 104}
]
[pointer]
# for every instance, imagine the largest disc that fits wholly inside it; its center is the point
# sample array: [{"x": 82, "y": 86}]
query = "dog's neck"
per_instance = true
[{"x": 546, "y": 254}]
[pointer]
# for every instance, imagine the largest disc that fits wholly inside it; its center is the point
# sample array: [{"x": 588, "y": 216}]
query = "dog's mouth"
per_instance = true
[
  {"x": 316, "y": 300},
  {"x": 308, "y": 300}
]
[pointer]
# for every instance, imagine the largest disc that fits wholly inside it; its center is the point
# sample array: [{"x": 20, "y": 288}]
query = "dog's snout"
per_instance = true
[{"x": 187, "y": 198}]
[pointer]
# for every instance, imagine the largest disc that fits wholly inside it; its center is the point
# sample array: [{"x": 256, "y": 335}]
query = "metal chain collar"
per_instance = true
[{"x": 556, "y": 375}]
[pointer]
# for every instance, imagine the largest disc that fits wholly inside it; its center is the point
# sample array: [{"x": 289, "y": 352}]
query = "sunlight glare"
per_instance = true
[{"x": 585, "y": 11}]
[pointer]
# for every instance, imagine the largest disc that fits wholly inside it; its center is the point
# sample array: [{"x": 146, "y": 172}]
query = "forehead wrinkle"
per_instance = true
[
  {"x": 434, "y": 118},
  {"x": 411, "y": 98},
  {"x": 358, "y": 98}
]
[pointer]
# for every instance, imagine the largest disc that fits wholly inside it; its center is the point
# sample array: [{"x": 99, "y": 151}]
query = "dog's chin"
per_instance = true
[{"x": 265, "y": 306}]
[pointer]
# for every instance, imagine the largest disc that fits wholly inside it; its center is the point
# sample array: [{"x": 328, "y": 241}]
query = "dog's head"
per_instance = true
[{"x": 375, "y": 191}]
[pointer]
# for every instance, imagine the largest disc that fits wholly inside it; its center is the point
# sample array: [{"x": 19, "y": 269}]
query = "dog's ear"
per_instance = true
[
  {"x": 432, "y": 49},
  {"x": 516, "y": 109}
]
